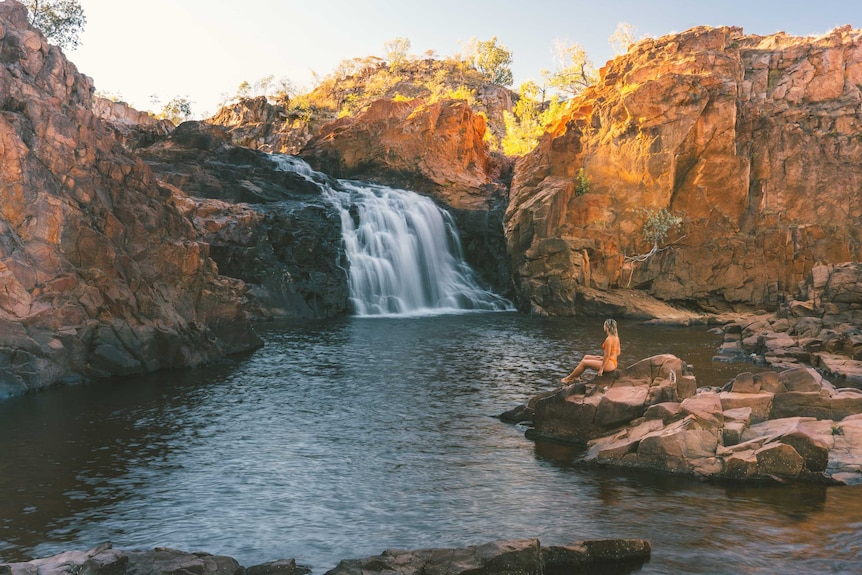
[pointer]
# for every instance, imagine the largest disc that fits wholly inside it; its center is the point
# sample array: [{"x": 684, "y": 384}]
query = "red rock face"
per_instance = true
[
  {"x": 752, "y": 140},
  {"x": 436, "y": 148},
  {"x": 100, "y": 274}
]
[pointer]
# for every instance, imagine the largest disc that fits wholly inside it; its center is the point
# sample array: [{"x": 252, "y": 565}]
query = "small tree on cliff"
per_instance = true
[
  {"x": 658, "y": 223},
  {"x": 574, "y": 72},
  {"x": 61, "y": 21},
  {"x": 494, "y": 61}
]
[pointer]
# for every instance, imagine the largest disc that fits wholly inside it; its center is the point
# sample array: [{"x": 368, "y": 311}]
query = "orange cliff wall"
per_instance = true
[{"x": 754, "y": 141}]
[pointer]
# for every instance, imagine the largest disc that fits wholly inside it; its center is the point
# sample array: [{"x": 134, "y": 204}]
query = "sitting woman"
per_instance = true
[{"x": 603, "y": 363}]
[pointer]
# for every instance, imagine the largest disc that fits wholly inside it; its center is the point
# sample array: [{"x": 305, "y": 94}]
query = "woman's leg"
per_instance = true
[{"x": 589, "y": 361}]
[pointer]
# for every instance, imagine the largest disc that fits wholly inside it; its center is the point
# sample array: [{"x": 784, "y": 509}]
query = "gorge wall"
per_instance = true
[
  {"x": 100, "y": 273},
  {"x": 754, "y": 141}
]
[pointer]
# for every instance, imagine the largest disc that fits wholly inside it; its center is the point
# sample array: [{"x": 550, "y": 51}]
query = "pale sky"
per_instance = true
[{"x": 203, "y": 49}]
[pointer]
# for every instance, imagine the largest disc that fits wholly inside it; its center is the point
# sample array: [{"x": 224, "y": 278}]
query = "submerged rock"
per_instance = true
[{"x": 791, "y": 425}]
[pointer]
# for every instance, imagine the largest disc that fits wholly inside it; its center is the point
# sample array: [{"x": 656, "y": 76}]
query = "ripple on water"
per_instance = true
[{"x": 343, "y": 438}]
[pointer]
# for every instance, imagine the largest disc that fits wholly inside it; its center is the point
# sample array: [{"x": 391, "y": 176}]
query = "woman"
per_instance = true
[{"x": 602, "y": 363}]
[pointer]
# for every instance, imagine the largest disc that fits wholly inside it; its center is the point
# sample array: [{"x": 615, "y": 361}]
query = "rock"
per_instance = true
[
  {"x": 727, "y": 130},
  {"x": 506, "y": 557},
  {"x": 281, "y": 567},
  {"x": 104, "y": 560},
  {"x": 436, "y": 149},
  {"x": 102, "y": 274},
  {"x": 754, "y": 435},
  {"x": 579, "y": 414}
]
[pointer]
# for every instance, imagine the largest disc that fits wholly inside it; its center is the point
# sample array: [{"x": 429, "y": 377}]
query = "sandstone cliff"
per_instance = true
[
  {"x": 753, "y": 140},
  {"x": 99, "y": 274}
]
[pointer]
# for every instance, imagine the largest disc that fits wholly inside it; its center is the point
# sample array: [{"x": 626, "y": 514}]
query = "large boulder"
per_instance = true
[{"x": 752, "y": 140}]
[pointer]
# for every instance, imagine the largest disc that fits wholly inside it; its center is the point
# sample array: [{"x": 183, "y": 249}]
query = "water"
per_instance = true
[
  {"x": 404, "y": 251},
  {"x": 341, "y": 439}
]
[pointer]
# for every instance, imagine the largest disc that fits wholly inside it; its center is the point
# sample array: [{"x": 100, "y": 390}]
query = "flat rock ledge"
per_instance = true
[
  {"x": 520, "y": 557},
  {"x": 783, "y": 426}
]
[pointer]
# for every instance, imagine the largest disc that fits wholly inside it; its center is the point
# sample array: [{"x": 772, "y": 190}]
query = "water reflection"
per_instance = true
[{"x": 343, "y": 438}]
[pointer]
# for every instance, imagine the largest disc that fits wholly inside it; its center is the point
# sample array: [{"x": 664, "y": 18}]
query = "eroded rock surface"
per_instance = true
[
  {"x": 788, "y": 425},
  {"x": 99, "y": 273},
  {"x": 819, "y": 327},
  {"x": 752, "y": 140}
]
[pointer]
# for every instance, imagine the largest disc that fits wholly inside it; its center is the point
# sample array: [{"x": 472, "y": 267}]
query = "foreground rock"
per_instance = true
[
  {"x": 792, "y": 425},
  {"x": 752, "y": 140},
  {"x": 101, "y": 274},
  {"x": 820, "y": 327},
  {"x": 525, "y": 557}
]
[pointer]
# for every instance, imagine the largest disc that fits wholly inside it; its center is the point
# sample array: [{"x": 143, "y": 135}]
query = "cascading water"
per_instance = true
[{"x": 404, "y": 251}]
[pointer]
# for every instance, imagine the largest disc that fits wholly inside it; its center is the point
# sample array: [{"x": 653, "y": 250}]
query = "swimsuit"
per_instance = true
[{"x": 612, "y": 362}]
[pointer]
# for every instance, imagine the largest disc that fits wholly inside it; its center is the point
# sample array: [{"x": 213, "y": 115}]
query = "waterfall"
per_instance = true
[{"x": 404, "y": 251}]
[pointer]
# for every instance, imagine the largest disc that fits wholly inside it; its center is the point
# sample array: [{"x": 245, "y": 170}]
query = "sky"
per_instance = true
[{"x": 147, "y": 52}]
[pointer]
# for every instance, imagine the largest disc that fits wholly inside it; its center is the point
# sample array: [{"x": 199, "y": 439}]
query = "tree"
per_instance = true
[
  {"x": 494, "y": 61},
  {"x": 574, "y": 72},
  {"x": 61, "y": 21},
  {"x": 528, "y": 119},
  {"x": 396, "y": 51},
  {"x": 622, "y": 38},
  {"x": 177, "y": 110}
]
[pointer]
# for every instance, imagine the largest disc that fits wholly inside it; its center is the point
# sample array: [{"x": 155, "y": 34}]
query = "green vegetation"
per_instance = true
[
  {"x": 494, "y": 61},
  {"x": 527, "y": 121},
  {"x": 582, "y": 183},
  {"x": 61, "y": 21},
  {"x": 575, "y": 71},
  {"x": 177, "y": 110}
]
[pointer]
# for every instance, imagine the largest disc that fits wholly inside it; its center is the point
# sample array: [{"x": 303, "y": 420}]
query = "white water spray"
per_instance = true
[{"x": 404, "y": 251}]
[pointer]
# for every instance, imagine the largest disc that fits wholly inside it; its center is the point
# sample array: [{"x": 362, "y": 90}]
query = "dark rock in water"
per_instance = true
[
  {"x": 497, "y": 558},
  {"x": 281, "y": 567},
  {"x": 524, "y": 557},
  {"x": 104, "y": 560}
]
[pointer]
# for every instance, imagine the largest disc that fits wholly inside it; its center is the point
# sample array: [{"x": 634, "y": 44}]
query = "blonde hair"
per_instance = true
[{"x": 611, "y": 326}]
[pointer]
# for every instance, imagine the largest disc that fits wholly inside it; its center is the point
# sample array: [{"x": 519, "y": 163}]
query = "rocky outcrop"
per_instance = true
[
  {"x": 436, "y": 149},
  {"x": 100, "y": 274},
  {"x": 526, "y": 557},
  {"x": 270, "y": 127},
  {"x": 752, "y": 140},
  {"x": 786, "y": 426},
  {"x": 269, "y": 227},
  {"x": 819, "y": 328},
  {"x": 105, "y": 560},
  {"x": 136, "y": 129}
]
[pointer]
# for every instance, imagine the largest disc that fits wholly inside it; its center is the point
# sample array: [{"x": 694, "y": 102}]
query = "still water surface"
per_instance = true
[{"x": 341, "y": 439}]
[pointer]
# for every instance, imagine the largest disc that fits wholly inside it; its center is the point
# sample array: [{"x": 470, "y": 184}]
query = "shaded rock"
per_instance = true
[
  {"x": 507, "y": 557},
  {"x": 281, "y": 567},
  {"x": 104, "y": 560},
  {"x": 99, "y": 268}
]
